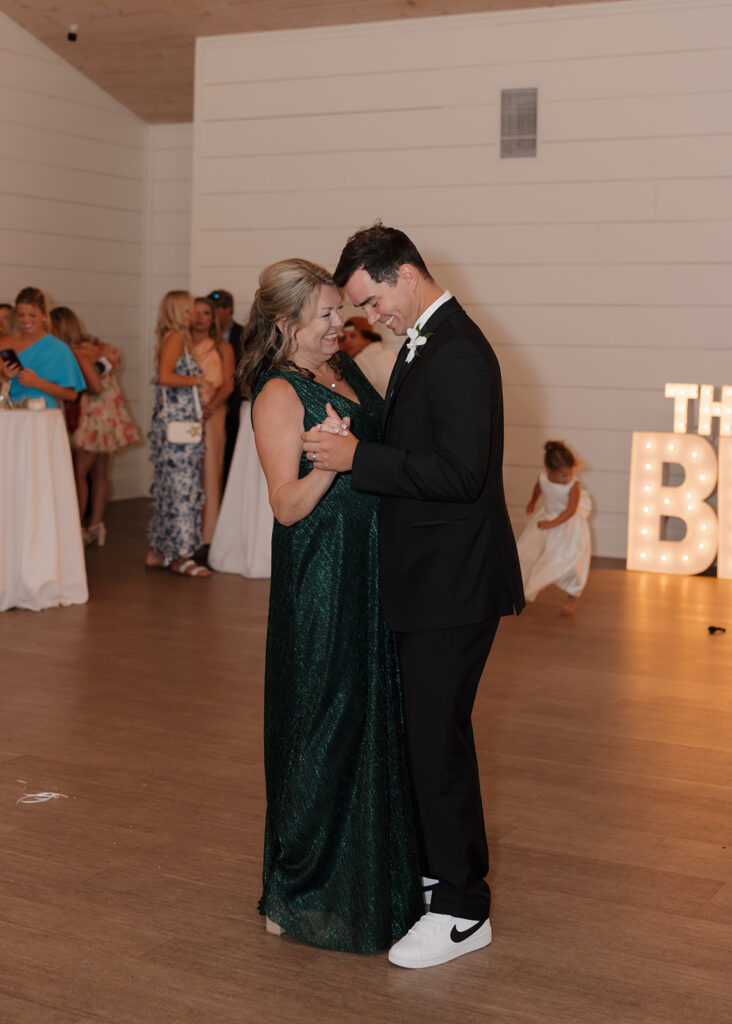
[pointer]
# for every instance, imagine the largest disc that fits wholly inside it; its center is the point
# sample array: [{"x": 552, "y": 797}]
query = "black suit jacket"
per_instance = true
[
  {"x": 234, "y": 400},
  {"x": 235, "y": 340},
  {"x": 448, "y": 555}
]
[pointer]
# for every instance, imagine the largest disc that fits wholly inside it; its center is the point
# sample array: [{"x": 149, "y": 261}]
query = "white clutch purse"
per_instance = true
[{"x": 184, "y": 431}]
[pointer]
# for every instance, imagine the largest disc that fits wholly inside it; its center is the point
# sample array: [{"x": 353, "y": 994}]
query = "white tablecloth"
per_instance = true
[
  {"x": 41, "y": 549},
  {"x": 242, "y": 542}
]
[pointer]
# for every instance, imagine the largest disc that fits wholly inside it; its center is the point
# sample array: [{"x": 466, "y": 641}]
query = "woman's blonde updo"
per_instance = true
[
  {"x": 33, "y": 297},
  {"x": 287, "y": 296},
  {"x": 172, "y": 317}
]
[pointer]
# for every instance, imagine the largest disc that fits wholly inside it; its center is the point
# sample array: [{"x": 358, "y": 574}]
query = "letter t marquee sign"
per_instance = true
[{"x": 707, "y": 534}]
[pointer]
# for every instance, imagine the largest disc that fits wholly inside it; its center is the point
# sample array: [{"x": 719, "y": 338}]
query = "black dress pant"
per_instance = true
[{"x": 441, "y": 670}]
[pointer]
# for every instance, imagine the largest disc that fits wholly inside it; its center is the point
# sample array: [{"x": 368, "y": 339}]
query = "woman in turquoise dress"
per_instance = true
[
  {"x": 47, "y": 368},
  {"x": 341, "y": 868}
]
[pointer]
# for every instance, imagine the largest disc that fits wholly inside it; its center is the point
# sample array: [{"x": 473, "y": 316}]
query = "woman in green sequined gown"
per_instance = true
[{"x": 340, "y": 860}]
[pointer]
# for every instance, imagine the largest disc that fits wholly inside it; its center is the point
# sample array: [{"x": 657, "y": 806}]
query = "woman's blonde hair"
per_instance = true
[
  {"x": 214, "y": 330},
  {"x": 172, "y": 317},
  {"x": 285, "y": 300},
  {"x": 33, "y": 297},
  {"x": 69, "y": 328}
]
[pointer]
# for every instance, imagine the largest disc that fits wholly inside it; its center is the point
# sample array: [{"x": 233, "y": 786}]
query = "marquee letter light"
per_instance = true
[
  {"x": 708, "y": 409},
  {"x": 724, "y": 510},
  {"x": 650, "y": 500},
  {"x": 681, "y": 393}
]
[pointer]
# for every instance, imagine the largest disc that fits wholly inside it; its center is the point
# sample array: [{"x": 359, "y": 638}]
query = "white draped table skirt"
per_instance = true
[
  {"x": 242, "y": 542},
  {"x": 41, "y": 548}
]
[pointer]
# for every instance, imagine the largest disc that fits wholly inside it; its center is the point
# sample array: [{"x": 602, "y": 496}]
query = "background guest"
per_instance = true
[
  {"x": 6, "y": 319},
  {"x": 6, "y": 327},
  {"x": 216, "y": 359},
  {"x": 104, "y": 424},
  {"x": 47, "y": 368},
  {"x": 72, "y": 410},
  {"x": 174, "y": 532},
  {"x": 231, "y": 331},
  {"x": 367, "y": 349}
]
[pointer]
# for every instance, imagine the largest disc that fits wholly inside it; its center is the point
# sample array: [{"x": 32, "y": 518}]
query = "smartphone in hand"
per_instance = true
[
  {"x": 102, "y": 366},
  {"x": 10, "y": 356}
]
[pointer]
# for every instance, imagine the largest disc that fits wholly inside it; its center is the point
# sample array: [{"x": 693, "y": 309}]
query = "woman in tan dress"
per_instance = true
[{"x": 216, "y": 358}]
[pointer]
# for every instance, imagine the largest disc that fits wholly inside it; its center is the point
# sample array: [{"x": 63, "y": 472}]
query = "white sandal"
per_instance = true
[
  {"x": 189, "y": 568},
  {"x": 95, "y": 534}
]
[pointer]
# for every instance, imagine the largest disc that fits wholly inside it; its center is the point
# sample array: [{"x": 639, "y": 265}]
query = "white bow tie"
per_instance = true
[{"x": 416, "y": 340}]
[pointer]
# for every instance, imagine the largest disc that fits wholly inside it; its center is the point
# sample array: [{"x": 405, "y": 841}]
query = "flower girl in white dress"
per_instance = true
[{"x": 555, "y": 546}]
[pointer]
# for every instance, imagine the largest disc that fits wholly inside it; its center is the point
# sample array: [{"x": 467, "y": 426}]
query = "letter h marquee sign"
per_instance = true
[{"x": 707, "y": 533}]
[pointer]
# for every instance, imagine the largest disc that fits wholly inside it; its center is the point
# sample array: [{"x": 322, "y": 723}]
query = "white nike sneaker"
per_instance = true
[{"x": 437, "y": 938}]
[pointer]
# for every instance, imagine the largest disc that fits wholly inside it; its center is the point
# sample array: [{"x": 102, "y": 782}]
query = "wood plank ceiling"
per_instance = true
[{"x": 142, "y": 51}]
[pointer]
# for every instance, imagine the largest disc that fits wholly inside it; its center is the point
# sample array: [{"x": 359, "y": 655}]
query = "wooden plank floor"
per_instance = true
[{"x": 606, "y": 752}]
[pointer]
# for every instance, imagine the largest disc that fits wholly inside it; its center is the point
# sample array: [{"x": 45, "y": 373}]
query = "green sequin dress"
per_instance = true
[{"x": 340, "y": 858}]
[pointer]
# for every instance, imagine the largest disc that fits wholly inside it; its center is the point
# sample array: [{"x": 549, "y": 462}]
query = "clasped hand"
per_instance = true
[{"x": 330, "y": 445}]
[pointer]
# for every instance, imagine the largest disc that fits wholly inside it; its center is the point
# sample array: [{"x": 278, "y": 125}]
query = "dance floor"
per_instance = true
[{"x": 131, "y": 897}]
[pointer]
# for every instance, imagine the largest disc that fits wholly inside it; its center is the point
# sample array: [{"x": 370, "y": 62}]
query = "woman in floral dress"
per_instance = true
[
  {"x": 104, "y": 424},
  {"x": 174, "y": 532}
]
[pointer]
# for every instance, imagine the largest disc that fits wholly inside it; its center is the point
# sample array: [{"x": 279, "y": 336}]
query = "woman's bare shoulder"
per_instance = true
[
  {"x": 278, "y": 392},
  {"x": 173, "y": 341}
]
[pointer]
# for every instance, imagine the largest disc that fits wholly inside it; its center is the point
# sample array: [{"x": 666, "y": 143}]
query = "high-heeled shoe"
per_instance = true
[{"x": 95, "y": 534}]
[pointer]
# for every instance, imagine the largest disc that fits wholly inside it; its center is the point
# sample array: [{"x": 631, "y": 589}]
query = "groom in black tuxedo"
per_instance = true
[{"x": 449, "y": 567}]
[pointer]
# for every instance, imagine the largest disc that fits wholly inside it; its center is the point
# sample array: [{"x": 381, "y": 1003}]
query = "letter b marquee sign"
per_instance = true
[{"x": 707, "y": 533}]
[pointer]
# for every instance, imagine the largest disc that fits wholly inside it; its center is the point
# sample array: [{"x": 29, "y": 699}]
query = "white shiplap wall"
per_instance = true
[
  {"x": 599, "y": 270},
  {"x": 72, "y": 169},
  {"x": 167, "y": 237},
  {"x": 170, "y": 149}
]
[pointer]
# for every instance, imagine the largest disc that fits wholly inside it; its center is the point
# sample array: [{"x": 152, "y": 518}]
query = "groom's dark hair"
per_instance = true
[{"x": 380, "y": 251}]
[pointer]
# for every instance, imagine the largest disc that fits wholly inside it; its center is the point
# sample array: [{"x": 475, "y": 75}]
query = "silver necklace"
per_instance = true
[{"x": 333, "y": 384}]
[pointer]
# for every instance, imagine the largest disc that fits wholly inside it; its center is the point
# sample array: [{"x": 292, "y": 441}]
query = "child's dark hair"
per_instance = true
[{"x": 557, "y": 454}]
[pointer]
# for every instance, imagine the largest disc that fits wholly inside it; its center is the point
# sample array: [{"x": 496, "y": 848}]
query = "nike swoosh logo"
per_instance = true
[{"x": 457, "y": 936}]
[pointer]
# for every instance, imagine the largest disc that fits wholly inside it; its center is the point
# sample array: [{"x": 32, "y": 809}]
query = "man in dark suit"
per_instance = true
[
  {"x": 231, "y": 331},
  {"x": 449, "y": 567}
]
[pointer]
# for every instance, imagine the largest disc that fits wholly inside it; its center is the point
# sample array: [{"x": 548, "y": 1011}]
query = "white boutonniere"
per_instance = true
[{"x": 416, "y": 340}]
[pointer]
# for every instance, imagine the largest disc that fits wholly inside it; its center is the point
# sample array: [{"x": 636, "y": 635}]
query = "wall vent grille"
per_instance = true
[{"x": 518, "y": 122}]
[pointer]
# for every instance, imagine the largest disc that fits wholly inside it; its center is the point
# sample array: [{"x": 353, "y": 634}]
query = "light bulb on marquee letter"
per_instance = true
[
  {"x": 681, "y": 393},
  {"x": 646, "y": 550},
  {"x": 724, "y": 509},
  {"x": 708, "y": 408}
]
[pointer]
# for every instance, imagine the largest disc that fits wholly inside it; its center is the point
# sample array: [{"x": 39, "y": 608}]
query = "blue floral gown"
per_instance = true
[{"x": 177, "y": 487}]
